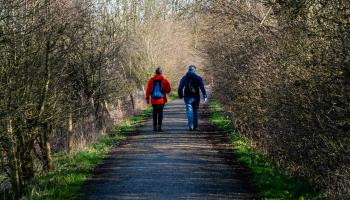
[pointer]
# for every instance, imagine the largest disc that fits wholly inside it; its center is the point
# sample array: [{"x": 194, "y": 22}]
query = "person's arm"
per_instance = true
[
  {"x": 202, "y": 88},
  {"x": 148, "y": 90},
  {"x": 181, "y": 87},
  {"x": 167, "y": 88}
]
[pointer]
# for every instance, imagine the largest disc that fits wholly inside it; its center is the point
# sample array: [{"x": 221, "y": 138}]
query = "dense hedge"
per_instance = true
[{"x": 282, "y": 70}]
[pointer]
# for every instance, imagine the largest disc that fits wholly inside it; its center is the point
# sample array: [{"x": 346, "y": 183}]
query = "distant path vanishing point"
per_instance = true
[{"x": 173, "y": 164}]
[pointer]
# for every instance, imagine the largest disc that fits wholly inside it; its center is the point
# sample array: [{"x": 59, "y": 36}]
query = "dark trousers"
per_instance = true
[{"x": 157, "y": 114}]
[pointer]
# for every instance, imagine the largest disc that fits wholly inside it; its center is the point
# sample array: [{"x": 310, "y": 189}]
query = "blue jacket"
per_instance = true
[{"x": 185, "y": 93}]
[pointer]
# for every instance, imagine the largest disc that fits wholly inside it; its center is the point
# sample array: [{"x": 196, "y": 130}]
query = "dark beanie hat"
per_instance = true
[
  {"x": 158, "y": 70},
  {"x": 192, "y": 68}
]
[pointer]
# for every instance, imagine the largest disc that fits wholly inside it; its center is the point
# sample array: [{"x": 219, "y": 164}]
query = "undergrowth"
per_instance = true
[
  {"x": 269, "y": 181},
  {"x": 70, "y": 172}
]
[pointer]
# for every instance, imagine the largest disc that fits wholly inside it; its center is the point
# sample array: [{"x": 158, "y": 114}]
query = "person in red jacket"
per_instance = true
[{"x": 157, "y": 89}]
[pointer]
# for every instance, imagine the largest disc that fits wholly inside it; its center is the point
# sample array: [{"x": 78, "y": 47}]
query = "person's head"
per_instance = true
[
  {"x": 192, "y": 68},
  {"x": 159, "y": 70}
]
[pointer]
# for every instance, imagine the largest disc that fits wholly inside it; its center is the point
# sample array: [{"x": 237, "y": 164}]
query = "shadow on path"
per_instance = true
[{"x": 174, "y": 164}]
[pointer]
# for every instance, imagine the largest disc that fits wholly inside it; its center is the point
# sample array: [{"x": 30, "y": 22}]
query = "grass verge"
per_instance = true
[
  {"x": 172, "y": 96},
  {"x": 70, "y": 172},
  {"x": 268, "y": 180}
]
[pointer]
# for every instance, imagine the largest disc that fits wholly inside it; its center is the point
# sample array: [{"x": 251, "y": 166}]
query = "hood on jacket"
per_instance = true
[
  {"x": 191, "y": 73},
  {"x": 158, "y": 77}
]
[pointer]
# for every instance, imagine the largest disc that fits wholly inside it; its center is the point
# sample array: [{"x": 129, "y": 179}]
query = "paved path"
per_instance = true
[{"x": 174, "y": 164}]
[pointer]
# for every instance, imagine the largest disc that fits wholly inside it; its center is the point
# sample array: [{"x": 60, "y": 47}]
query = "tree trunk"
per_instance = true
[
  {"x": 165, "y": 9},
  {"x": 147, "y": 10},
  {"x": 132, "y": 103},
  {"x": 13, "y": 161},
  {"x": 70, "y": 133},
  {"x": 26, "y": 160},
  {"x": 126, "y": 14},
  {"x": 117, "y": 12},
  {"x": 47, "y": 147},
  {"x": 134, "y": 12}
]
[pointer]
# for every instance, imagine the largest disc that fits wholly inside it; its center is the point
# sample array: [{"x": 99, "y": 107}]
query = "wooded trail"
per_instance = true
[{"x": 173, "y": 164}]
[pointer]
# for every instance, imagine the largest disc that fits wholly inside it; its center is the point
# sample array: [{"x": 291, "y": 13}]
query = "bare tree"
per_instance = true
[{"x": 279, "y": 69}]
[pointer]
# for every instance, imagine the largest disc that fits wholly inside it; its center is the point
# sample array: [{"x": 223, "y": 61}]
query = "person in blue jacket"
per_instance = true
[{"x": 188, "y": 89}]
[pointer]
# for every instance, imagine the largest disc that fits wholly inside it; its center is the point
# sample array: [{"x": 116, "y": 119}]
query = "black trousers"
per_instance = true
[{"x": 157, "y": 114}]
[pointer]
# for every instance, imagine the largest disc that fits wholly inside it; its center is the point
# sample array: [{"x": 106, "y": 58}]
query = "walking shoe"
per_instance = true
[
  {"x": 155, "y": 128},
  {"x": 159, "y": 128},
  {"x": 191, "y": 129}
]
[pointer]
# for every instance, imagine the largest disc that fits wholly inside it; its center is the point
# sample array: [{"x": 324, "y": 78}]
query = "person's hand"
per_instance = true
[
  {"x": 147, "y": 100},
  {"x": 205, "y": 100}
]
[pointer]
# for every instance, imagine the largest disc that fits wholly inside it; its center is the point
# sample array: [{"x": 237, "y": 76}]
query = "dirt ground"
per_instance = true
[{"x": 173, "y": 164}]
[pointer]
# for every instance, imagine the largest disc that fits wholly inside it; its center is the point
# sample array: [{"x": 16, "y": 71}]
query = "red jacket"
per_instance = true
[{"x": 165, "y": 87}]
